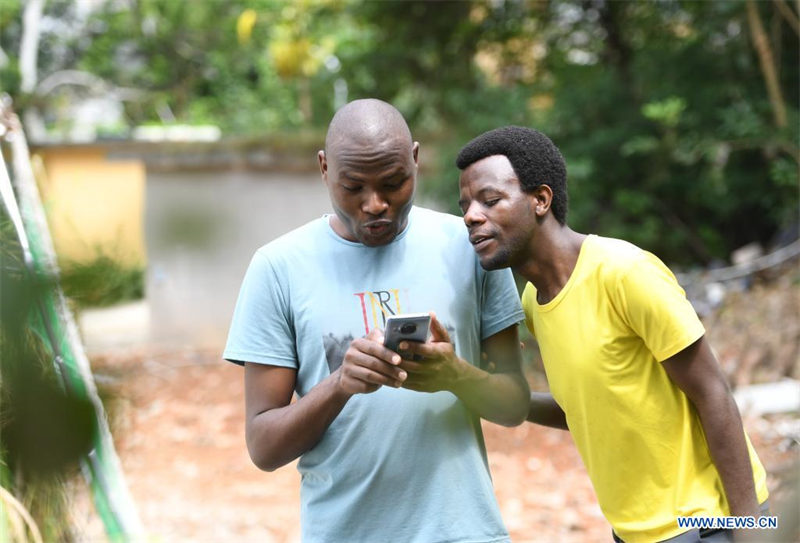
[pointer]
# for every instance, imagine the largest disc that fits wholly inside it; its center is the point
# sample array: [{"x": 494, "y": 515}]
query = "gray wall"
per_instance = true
[{"x": 201, "y": 231}]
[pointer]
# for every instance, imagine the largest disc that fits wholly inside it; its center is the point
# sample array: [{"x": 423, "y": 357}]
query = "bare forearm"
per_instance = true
[
  {"x": 544, "y": 410},
  {"x": 278, "y": 436},
  {"x": 501, "y": 398},
  {"x": 722, "y": 425}
]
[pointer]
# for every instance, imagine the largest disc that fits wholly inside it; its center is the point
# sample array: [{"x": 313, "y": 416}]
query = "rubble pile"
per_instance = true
[{"x": 755, "y": 331}]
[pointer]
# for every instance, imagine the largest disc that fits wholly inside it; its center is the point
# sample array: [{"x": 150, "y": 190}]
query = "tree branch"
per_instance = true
[
  {"x": 29, "y": 44},
  {"x": 765, "y": 58},
  {"x": 788, "y": 15}
]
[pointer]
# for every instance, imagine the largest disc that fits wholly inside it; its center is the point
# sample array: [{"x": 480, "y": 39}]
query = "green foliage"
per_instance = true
[
  {"x": 10, "y": 14},
  {"x": 666, "y": 112},
  {"x": 102, "y": 281},
  {"x": 44, "y": 430},
  {"x": 671, "y": 127}
]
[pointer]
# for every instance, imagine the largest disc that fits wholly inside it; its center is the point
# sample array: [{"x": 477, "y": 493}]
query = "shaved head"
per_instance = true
[
  {"x": 370, "y": 168},
  {"x": 368, "y": 121}
]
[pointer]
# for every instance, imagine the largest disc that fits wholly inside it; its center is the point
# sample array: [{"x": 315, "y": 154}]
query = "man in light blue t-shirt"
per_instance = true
[{"x": 390, "y": 449}]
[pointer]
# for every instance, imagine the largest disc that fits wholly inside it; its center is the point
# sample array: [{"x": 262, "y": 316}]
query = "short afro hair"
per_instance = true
[{"x": 535, "y": 159}]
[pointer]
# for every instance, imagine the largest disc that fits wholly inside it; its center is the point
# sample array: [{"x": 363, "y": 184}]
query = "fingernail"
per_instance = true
[
  {"x": 403, "y": 375},
  {"x": 396, "y": 359},
  {"x": 403, "y": 346}
]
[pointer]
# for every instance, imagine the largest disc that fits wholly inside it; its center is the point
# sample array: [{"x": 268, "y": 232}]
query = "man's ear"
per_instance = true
[
  {"x": 323, "y": 165},
  {"x": 542, "y": 199},
  {"x": 415, "y": 153}
]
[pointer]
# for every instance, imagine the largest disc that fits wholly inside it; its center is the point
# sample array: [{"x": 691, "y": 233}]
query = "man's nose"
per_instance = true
[
  {"x": 473, "y": 215},
  {"x": 375, "y": 204}
]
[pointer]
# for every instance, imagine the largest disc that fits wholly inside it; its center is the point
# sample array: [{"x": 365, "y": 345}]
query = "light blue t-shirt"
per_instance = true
[{"x": 395, "y": 465}]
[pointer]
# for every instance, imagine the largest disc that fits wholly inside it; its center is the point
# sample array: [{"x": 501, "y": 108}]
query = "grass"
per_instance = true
[{"x": 102, "y": 281}]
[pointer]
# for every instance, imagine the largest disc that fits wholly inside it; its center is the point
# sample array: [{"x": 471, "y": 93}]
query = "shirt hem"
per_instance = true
[
  {"x": 672, "y": 351},
  {"x": 493, "y": 539},
  {"x": 511, "y": 320},
  {"x": 240, "y": 358},
  {"x": 645, "y": 537}
]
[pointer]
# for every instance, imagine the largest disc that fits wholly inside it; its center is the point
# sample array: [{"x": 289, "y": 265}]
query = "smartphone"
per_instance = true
[{"x": 408, "y": 327}]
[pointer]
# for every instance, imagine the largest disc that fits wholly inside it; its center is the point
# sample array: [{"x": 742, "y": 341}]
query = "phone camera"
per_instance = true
[{"x": 408, "y": 328}]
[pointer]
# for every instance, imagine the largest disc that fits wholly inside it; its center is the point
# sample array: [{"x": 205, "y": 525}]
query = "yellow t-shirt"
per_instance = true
[{"x": 602, "y": 338}]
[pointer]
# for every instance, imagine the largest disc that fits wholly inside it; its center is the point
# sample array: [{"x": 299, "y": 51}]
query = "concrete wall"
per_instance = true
[{"x": 201, "y": 231}]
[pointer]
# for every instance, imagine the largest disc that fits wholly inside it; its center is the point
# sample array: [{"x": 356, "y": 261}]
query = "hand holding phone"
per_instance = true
[{"x": 408, "y": 327}]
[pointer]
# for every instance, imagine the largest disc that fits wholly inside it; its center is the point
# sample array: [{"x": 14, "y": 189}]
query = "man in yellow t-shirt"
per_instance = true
[{"x": 631, "y": 374}]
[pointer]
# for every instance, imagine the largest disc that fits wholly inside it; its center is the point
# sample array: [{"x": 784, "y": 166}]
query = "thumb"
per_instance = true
[{"x": 438, "y": 331}]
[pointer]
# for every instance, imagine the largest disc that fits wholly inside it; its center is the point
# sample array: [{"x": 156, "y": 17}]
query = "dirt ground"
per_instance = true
[{"x": 178, "y": 422}]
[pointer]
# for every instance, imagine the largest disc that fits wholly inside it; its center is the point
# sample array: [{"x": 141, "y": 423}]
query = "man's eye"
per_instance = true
[
  {"x": 354, "y": 188},
  {"x": 396, "y": 185},
  {"x": 490, "y": 203}
]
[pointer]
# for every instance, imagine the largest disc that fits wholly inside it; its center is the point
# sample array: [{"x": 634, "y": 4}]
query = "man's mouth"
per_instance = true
[
  {"x": 480, "y": 241},
  {"x": 378, "y": 227}
]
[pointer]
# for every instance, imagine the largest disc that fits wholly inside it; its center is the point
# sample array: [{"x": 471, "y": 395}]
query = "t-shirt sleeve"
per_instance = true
[
  {"x": 500, "y": 302},
  {"x": 261, "y": 329},
  {"x": 656, "y": 308}
]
